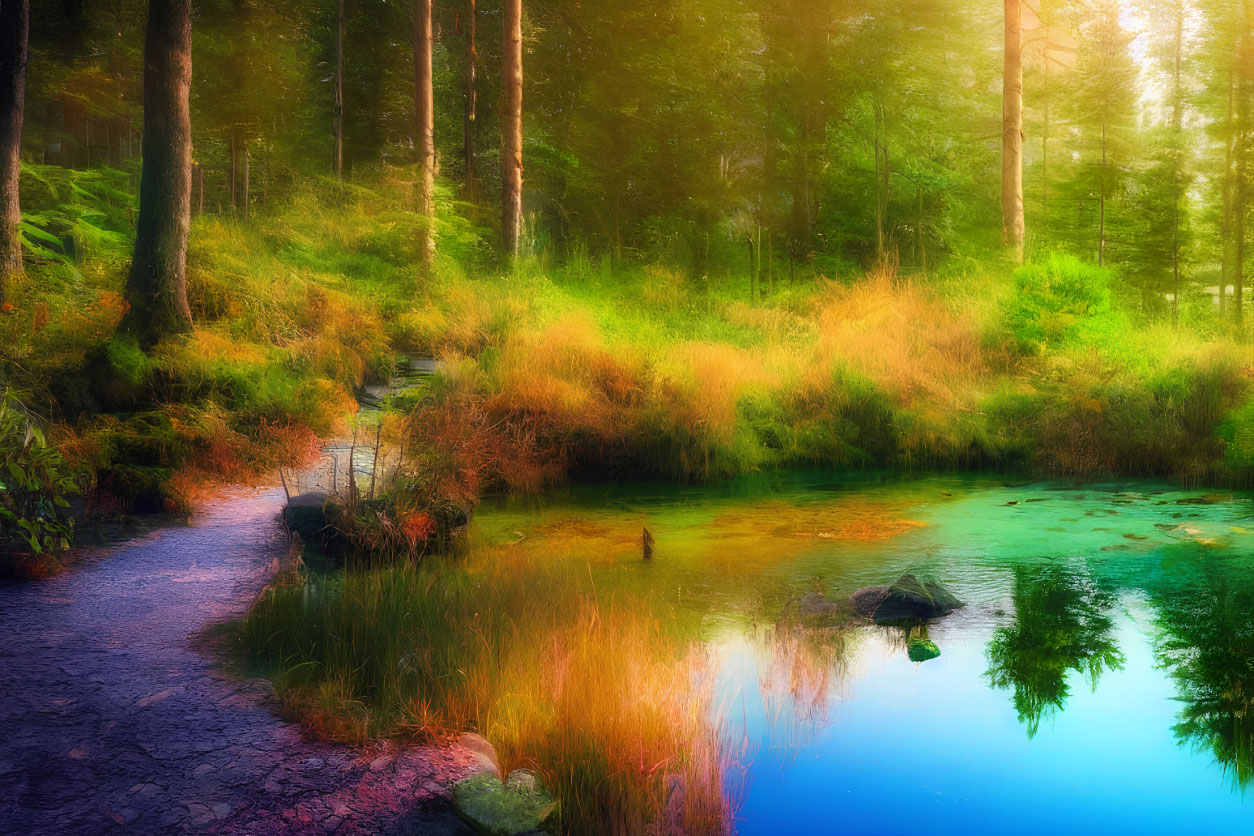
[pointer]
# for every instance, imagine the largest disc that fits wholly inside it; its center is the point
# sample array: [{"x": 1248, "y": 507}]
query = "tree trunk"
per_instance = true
[
  {"x": 14, "y": 39},
  {"x": 157, "y": 285},
  {"x": 511, "y": 131},
  {"x": 1225, "y": 231},
  {"x": 424, "y": 108},
  {"x": 468, "y": 123},
  {"x": 1177, "y": 150},
  {"x": 339, "y": 91},
  {"x": 1012, "y": 134}
]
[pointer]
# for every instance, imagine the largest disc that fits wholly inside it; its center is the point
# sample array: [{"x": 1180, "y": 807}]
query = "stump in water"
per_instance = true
[{"x": 647, "y": 542}]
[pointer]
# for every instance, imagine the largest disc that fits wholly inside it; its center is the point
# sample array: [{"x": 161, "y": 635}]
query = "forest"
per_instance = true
[{"x": 609, "y": 411}]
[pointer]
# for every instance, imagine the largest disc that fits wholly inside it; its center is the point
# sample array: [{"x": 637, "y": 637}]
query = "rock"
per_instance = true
[
  {"x": 647, "y": 542},
  {"x": 921, "y": 650},
  {"x": 522, "y": 780},
  {"x": 909, "y": 601},
  {"x": 486, "y": 761},
  {"x": 815, "y": 604},
  {"x": 495, "y": 808},
  {"x": 868, "y": 599}
]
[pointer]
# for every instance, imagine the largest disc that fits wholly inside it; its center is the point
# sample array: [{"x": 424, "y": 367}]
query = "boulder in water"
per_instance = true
[
  {"x": 909, "y": 601},
  {"x": 868, "y": 599},
  {"x": 494, "y": 807}
]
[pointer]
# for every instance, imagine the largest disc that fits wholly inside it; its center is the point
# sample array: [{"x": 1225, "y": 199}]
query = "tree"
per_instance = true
[
  {"x": 157, "y": 285},
  {"x": 339, "y": 90},
  {"x": 468, "y": 122},
  {"x": 511, "y": 130},
  {"x": 1104, "y": 104},
  {"x": 14, "y": 40},
  {"x": 424, "y": 111},
  {"x": 1012, "y": 132}
]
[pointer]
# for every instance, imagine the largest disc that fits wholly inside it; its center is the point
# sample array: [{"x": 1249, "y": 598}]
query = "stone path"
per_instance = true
[{"x": 112, "y": 721}]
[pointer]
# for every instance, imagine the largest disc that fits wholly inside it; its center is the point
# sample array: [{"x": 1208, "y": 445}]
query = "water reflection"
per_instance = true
[
  {"x": 1061, "y": 626},
  {"x": 801, "y": 659},
  {"x": 1207, "y": 646}
]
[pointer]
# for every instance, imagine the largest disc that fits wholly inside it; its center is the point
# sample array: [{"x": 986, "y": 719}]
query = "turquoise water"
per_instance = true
[{"x": 1099, "y": 679}]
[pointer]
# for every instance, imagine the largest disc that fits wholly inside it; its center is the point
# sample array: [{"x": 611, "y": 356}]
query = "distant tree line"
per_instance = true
[{"x": 809, "y": 134}]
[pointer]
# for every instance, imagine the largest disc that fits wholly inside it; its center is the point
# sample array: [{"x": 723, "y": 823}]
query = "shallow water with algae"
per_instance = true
[{"x": 1100, "y": 677}]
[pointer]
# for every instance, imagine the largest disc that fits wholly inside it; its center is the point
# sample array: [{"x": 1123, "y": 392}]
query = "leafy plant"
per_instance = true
[{"x": 34, "y": 483}]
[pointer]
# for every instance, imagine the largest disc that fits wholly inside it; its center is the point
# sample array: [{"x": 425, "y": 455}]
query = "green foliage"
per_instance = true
[
  {"x": 69, "y": 215},
  {"x": 34, "y": 483},
  {"x": 1053, "y": 299}
]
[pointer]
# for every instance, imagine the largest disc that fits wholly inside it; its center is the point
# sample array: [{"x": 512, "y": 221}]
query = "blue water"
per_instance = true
[{"x": 1097, "y": 620}]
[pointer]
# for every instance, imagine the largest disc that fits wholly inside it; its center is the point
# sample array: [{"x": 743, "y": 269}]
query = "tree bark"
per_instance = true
[
  {"x": 339, "y": 91},
  {"x": 14, "y": 52},
  {"x": 157, "y": 285},
  {"x": 1012, "y": 133},
  {"x": 424, "y": 107},
  {"x": 511, "y": 132}
]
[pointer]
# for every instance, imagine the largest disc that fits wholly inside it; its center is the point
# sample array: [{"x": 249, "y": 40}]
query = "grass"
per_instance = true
[
  {"x": 644, "y": 374},
  {"x": 606, "y": 701}
]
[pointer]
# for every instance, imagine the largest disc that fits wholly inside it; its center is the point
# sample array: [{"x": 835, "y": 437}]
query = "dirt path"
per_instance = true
[{"x": 112, "y": 721}]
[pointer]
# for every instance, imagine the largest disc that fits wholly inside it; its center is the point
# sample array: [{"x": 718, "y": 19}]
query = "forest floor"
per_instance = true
[{"x": 116, "y": 717}]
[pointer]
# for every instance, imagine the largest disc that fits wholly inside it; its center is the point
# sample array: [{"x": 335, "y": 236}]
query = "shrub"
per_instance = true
[
  {"x": 34, "y": 483},
  {"x": 1052, "y": 299}
]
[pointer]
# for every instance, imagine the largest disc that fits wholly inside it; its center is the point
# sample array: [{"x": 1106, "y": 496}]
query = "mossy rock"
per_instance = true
[
  {"x": 503, "y": 808},
  {"x": 921, "y": 650},
  {"x": 910, "y": 601}
]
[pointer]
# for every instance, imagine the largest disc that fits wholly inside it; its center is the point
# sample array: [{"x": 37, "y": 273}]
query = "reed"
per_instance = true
[{"x": 613, "y": 707}]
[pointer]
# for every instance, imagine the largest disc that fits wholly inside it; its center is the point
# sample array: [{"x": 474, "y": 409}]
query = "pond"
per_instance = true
[{"x": 1099, "y": 677}]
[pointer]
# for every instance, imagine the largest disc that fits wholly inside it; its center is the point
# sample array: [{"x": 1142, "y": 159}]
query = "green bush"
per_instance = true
[
  {"x": 34, "y": 483},
  {"x": 1053, "y": 299}
]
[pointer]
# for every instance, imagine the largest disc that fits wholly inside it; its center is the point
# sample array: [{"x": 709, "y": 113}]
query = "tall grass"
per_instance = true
[
  {"x": 608, "y": 702},
  {"x": 648, "y": 376}
]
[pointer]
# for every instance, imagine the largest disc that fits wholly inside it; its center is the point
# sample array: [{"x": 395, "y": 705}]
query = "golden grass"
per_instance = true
[
  {"x": 604, "y": 699},
  {"x": 904, "y": 338}
]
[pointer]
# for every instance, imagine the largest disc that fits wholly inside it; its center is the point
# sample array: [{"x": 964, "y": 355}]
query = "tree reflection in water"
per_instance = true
[
  {"x": 1061, "y": 626},
  {"x": 1207, "y": 646}
]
